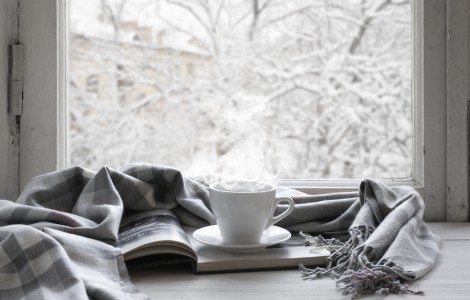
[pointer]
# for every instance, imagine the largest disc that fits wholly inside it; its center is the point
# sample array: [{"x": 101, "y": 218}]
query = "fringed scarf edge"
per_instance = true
[{"x": 350, "y": 266}]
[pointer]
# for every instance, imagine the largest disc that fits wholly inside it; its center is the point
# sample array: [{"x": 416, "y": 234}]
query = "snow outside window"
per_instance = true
[{"x": 303, "y": 89}]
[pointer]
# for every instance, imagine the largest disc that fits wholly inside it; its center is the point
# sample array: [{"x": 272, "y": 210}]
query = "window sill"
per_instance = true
[
  {"x": 341, "y": 185},
  {"x": 448, "y": 280}
]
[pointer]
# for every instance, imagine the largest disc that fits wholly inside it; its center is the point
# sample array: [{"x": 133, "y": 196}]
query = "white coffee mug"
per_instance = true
[{"x": 245, "y": 209}]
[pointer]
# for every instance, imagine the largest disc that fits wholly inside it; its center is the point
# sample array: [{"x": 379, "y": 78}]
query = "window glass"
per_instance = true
[
  {"x": 92, "y": 83},
  {"x": 257, "y": 88}
]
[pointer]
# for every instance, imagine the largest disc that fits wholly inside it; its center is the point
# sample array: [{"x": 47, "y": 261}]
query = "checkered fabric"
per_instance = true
[{"x": 56, "y": 240}]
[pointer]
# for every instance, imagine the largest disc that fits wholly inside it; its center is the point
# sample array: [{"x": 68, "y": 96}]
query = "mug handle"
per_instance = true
[{"x": 275, "y": 219}]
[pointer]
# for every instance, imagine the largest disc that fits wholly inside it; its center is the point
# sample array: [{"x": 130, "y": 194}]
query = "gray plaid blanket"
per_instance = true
[{"x": 56, "y": 240}]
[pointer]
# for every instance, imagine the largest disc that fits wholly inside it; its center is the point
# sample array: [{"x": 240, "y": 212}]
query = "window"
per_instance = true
[
  {"x": 305, "y": 90},
  {"x": 92, "y": 84},
  {"x": 431, "y": 166},
  {"x": 190, "y": 68}
]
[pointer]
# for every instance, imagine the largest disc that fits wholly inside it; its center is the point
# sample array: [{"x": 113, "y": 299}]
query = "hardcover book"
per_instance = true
[{"x": 155, "y": 238}]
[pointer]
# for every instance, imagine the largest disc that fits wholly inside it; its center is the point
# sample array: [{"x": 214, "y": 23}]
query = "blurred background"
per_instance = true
[{"x": 262, "y": 89}]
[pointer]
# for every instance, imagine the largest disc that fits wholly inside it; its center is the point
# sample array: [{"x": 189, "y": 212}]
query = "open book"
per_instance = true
[{"x": 154, "y": 238}]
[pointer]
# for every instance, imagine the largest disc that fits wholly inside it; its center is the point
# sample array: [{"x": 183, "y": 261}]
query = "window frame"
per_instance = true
[
  {"x": 42, "y": 31},
  {"x": 43, "y": 145},
  {"x": 8, "y": 123}
]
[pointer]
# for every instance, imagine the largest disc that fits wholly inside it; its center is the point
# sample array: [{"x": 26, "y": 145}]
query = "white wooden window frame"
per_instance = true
[
  {"x": 8, "y": 154},
  {"x": 441, "y": 81}
]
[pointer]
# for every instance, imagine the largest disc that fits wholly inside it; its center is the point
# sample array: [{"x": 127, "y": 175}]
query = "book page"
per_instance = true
[
  {"x": 151, "y": 233},
  {"x": 288, "y": 254}
]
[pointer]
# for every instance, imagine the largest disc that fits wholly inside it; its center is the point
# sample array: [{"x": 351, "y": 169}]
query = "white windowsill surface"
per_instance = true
[{"x": 450, "y": 279}]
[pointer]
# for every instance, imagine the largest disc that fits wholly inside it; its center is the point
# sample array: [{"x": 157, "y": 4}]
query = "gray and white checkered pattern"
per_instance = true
[{"x": 56, "y": 240}]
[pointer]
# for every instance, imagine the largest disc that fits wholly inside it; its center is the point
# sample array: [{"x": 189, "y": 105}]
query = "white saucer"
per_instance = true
[{"x": 210, "y": 235}]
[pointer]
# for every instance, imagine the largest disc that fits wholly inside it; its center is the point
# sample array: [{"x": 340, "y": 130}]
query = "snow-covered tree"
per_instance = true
[{"x": 292, "y": 89}]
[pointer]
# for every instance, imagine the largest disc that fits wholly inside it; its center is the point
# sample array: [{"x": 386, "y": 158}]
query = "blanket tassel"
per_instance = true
[{"x": 354, "y": 273}]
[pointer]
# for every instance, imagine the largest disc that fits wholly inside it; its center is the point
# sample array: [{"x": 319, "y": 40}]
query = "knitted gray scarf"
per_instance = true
[
  {"x": 389, "y": 243},
  {"x": 56, "y": 240}
]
